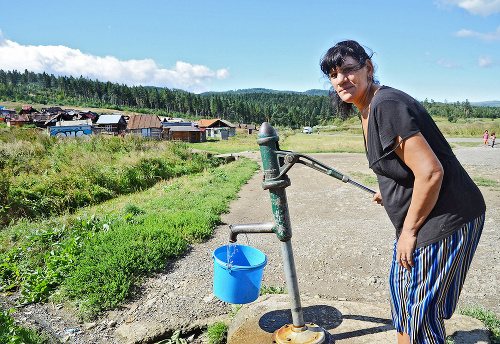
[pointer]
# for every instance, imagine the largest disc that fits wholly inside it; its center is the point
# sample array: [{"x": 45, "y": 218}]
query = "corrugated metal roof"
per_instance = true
[
  {"x": 182, "y": 128},
  {"x": 109, "y": 119},
  {"x": 143, "y": 121}
]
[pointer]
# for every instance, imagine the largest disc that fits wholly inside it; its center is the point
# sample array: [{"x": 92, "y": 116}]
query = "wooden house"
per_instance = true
[
  {"x": 145, "y": 125},
  {"x": 111, "y": 124},
  {"x": 217, "y": 128}
]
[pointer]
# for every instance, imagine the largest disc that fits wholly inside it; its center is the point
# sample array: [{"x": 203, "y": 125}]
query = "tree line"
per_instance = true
[{"x": 287, "y": 109}]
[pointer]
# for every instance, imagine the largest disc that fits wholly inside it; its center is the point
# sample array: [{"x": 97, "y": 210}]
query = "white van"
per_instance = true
[{"x": 307, "y": 130}]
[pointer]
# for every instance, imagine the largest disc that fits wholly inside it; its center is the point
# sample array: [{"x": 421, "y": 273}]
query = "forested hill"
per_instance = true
[
  {"x": 283, "y": 108},
  {"x": 266, "y": 90}
]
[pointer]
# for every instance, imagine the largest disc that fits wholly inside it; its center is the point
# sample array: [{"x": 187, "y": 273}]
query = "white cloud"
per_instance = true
[
  {"x": 61, "y": 60},
  {"x": 223, "y": 74},
  {"x": 487, "y": 37},
  {"x": 448, "y": 64},
  {"x": 485, "y": 61},
  {"x": 481, "y": 7}
]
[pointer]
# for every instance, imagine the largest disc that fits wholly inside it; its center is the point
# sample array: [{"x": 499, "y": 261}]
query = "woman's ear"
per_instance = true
[{"x": 371, "y": 69}]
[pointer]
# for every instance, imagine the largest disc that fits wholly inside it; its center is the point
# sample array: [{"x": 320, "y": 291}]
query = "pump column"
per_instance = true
[
  {"x": 299, "y": 332},
  {"x": 268, "y": 145}
]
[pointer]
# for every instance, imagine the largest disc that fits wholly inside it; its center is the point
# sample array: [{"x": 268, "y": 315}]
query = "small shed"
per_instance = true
[
  {"x": 184, "y": 133},
  {"x": 145, "y": 125},
  {"x": 111, "y": 124}
]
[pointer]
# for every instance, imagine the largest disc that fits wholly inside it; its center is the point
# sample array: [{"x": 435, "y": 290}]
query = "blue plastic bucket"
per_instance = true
[{"x": 238, "y": 282}]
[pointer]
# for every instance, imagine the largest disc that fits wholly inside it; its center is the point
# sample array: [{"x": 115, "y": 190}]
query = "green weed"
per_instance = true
[
  {"x": 217, "y": 333},
  {"x": 11, "y": 333},
  {"x": 269, "y": 289}
]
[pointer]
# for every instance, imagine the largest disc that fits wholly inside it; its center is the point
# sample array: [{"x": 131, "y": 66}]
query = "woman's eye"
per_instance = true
[{"x": 333, "y": 75}]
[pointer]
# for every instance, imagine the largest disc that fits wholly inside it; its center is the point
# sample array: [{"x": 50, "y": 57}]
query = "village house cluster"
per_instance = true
[{"x": 72, "y": 123}]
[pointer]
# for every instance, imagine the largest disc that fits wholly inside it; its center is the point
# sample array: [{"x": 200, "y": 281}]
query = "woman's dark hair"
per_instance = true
[{"x": 333, "y": 59}]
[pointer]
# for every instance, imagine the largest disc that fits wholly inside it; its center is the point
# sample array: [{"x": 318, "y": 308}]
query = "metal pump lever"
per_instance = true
[{"x": 288, "y": 159}]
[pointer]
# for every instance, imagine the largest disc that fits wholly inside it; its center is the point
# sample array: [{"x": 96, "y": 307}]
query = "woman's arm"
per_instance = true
[{"x": 428, "y": 171}]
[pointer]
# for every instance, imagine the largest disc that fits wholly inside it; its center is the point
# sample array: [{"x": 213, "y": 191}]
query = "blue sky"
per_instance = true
[{"x": 438, "y": 49}]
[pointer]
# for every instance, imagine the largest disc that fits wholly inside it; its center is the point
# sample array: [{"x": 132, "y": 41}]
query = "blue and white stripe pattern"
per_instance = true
[{"x": 422, "y": 298}]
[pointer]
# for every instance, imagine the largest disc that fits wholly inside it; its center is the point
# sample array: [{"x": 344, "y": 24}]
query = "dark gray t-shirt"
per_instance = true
[{"x": 394, "y": 113}]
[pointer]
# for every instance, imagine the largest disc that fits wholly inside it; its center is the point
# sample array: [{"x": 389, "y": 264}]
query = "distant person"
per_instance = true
[
  {"x": 422, "y": 187},
  {"x": 492, "y": 139},
  {"x": 485, "y": 138}
]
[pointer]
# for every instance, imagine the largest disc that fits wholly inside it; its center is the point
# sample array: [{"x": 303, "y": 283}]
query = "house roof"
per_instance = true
[
  {"x": 109, "y": 119},
  {"x": 214, "y": 123},
  {"x": 143, "y": 121},
  {"x": 183, "y": 128},
  {"x": 20, "y": 118}
]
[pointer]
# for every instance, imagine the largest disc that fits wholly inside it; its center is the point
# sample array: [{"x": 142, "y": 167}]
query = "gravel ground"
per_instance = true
[{"x": 342, "y": 246}]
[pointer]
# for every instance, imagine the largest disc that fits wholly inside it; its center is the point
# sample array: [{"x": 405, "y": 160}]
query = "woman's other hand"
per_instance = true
[
  {"x": 377, "y": 197},
  {"x": 405, "y": 248}
]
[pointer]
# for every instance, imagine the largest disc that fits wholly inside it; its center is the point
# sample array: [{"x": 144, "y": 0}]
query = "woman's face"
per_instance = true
[{"x": 351, "y": 81}]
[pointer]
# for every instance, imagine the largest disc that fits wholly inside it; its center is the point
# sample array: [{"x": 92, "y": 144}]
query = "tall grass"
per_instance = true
[
  {"x": 43, "y": 176},
  {"x": 469, "y": 128}
]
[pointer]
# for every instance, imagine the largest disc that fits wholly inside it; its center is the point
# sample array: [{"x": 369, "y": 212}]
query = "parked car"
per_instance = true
[{"x": 307, "y": 130}]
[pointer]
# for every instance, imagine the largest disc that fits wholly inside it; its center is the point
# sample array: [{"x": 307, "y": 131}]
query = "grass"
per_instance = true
[
  {"x": 363, "y": 178},
  {"x": 300, "y": 143},
  {"x": 240, "y": 143},
  {"x": 313, "y": 143},
  {"x": 487, "y": 182},
  {"x": 217, "y": 333},
  {"x": 44, "y": 176},
  {"x": 344, "y": 137},
  {"x": 95, "y": 261},
  {"x": 472, "y": 127}
]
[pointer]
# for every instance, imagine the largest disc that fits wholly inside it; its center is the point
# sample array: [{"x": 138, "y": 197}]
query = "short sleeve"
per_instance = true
[{"x": 394, "y": 118}]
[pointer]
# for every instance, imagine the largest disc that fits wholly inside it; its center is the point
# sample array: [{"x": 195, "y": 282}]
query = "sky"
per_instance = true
[{"x": 442, "y": 50}]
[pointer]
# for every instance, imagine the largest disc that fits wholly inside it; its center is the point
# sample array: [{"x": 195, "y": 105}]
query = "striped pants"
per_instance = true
[{"x": 422, "y": 298}]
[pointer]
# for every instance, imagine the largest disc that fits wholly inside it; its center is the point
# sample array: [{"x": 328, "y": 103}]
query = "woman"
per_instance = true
[{"x": 436, "y": 208}]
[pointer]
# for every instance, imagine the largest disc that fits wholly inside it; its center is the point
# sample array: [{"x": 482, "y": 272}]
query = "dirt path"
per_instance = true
[{"x": 342, "y": 246}]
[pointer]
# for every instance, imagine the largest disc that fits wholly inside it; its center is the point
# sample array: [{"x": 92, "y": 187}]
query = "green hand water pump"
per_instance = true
[{"x": 276, "y": 163}]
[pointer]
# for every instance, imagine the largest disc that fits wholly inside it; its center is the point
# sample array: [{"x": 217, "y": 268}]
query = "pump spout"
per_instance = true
[{"x": 268, "y": 227}]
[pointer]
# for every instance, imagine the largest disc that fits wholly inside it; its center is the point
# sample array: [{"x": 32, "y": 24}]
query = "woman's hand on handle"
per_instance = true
[{"x": 377, "y": 197}]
